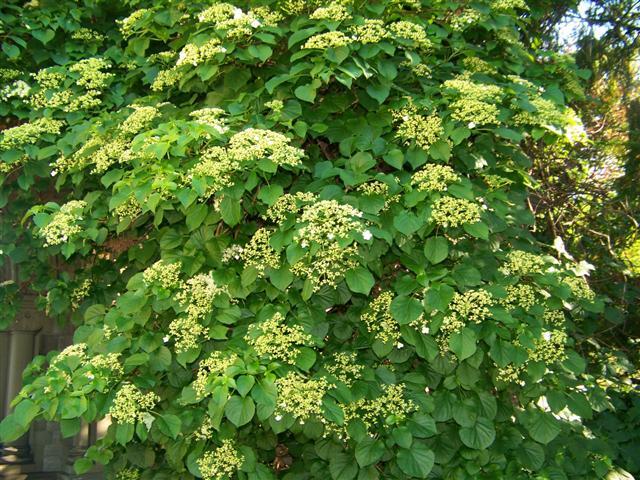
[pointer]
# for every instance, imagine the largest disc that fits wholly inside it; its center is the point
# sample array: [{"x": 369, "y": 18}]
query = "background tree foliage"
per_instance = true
[{"x": 296, "y": 238}]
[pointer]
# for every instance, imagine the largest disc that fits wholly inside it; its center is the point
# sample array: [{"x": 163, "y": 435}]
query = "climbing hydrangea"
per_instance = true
[
  {"x": 376, "y": 413},
  {"x": 215, "y": 364},
  {"x": 275, "y": 339},
  {"x": 29, "y": 133},
  {"x": 167, "y": 275},
  {"x": 455, "y": 212},
  {"x": 131, "y": 405},
  {"x": 300, "y": 397},
  {"x": 259, "y": 254},
  {"x": 64, "y": 224},
  {"x": 523, "y": 263},
  {"x": 414, "y": 127},
  {"x": 434, "y": 178},
  {"x": 380, "y": 321},
  {"x": 223, "y": 462},
  {"x": 254, "y": 144}
]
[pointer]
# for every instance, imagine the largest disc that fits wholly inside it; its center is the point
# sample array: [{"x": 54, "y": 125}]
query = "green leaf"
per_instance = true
[
  {"x": 244, "y": 384},
  {"x": 11, "y": 429},
  {"x": 124, "y": 432},
  {"x": 306, "y": 93},
  {"x": 360, "y": 280},
  {"x": 169, "y": 425},
  {"x": 70, "y": 427},
  {"x": 406, "y": 309},
  {"x": 270, "y": 194},
  {"x": 305, "y": 359},
  {"x": 416, "y": 461},
  {"x": 407, "y": 223},
  {"x": 72, "y": 407},
  {"x": 240, "y": 410},
  {"x": 480, "y": 436},
  {"x": 231, "y": 211},
  {"x": 379, "y": 91},
  {"x": 82, "y": 465},
  {"x": 440, "y": 150},
  {"x": 542, "y": 427},
  {"x": 436, "y": 249},
  {"x": 369, "y": 451},
  {"x": 463, "y": 343},
  {"x": 263, "y": 52},
  {"x": 342, "y": 467},
  {"x": 531, "y": 455},
  {"x": 196, "y": 215},
  {"x": 478, "y": 230},
  {"x": 11, "y": 50}
]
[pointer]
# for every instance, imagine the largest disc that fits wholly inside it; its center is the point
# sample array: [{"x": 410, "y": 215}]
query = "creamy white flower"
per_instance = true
[{"x": 367, "y": 235}]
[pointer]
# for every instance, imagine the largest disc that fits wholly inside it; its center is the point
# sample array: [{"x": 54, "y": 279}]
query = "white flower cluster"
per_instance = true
[{"x": 63, "y": 224}]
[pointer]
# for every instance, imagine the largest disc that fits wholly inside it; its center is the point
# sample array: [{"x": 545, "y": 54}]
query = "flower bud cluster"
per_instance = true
[
  {"x": 128, "y": 474},
  {"x": 255, "y": 144},
  {"x": 217, "y": 167},
  {"x": 211, "y": 117},
  {"x": 87, "y": 35},
  {"x": 455, "y": 212},
  {"x": 472, "y": 306},
  {"x": 434, "y": 178},
  {"x": 345, "y": 367},
  {"x": 29, "y": 133},
  {"x": 380, "y": 321},
  {"x": 275, "y": 339},
  {"x": 17, "y": 89},
  {"x": 130, "y": 404},
  {"x": 477, "y": 65},
  {"x": 550, "y": 348},
  {"x": 414, "y": 127},
  {"x": 521, "y": 263},
  {"x": 546, "y": 114},
  {"x": 63, "y": 224},
  {"x": 462, "y": 20},
  {"x": 371, "y": 31},
  {"x": 502, "y": 5},
  {"x": 259, "y": 253},
  {"x": 215, "y": 364},
  {"x": 326, "y": 221},
  {"x": 197, "y": 294},
  {"x": 300, "y": 397},
  {"x": 412, "y": 32},
  {"x": 323, "y": 41},
  {"x": 139, "y": 120},
  {"x": 326, "y": 266},
  {"x": 166, "y": 275},
  {"x": 476, "y": 102},
  {"x": 523, "y": 296},
  {"x": 130, "y": 208},
  {"x": 192, "y": 54},
  {"x": 287, "y": 205},
  {"x": 223, "y": 462},
  {"x": 580, "y": 288},
  {"x": 333, "y": 12},
  {"x": 80, "y": 293},
  {"x": 390, "y": 408},
  {"x": 128, "y": 24},
  {"x": 109, "y": 362}
]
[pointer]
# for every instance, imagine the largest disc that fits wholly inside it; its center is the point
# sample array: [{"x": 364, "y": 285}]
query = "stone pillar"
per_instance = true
[
  {"x": 81, "y": 441},
  {"x": 21, "y": 344},
  {"x": 4, "y": 371}
]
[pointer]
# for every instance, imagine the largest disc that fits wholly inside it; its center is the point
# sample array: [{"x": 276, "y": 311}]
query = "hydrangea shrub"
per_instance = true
[{"x": 296, "y": 239}]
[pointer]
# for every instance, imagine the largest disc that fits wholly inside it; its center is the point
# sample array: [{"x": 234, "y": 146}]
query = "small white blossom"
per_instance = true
[{"x": 367, "y": 235}]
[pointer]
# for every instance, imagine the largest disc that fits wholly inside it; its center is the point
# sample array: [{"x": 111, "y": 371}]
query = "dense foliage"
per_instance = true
[{"x": 296, "y": 239}]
